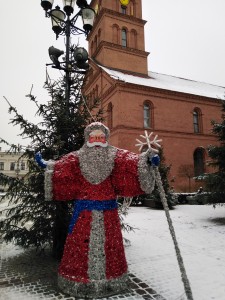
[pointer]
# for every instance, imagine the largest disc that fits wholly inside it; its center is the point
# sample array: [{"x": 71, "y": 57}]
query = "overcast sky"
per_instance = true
[{"x": 185, "y": 38}]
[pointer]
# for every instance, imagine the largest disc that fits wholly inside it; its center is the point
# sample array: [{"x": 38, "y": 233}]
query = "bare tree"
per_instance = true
[{"x": 186, "y": 170}]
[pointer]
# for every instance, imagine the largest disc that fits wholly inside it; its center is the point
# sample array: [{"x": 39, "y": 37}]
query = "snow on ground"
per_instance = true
[
  {"x": 200, "y": 231},
  {"x": 9, "y": 250}
]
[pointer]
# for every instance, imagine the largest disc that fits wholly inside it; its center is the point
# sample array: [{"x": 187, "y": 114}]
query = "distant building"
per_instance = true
[
  {"x": 179, "y": 111},
  {"x": 12, "y": 165}
]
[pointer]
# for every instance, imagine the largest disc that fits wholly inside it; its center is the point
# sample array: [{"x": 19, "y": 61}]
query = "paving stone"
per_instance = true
[
  {"x": 141, "y": 292},
  {"x": 136, "y": 280},
  {"x": 147, "y": 297},
  {"x": 143, "y": 285},
  {"x": 133, "y": 285},
  {"x": 150, "y": 291},
  {"x": 28, "y": 276}
]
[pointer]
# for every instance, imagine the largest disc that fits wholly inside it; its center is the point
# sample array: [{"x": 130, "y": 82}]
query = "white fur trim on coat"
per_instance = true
[{"x": 48, "y": 180}]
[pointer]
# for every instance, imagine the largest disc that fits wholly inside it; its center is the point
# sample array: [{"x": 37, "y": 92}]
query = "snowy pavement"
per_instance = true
[
  {"x": 200, "y": 231},
  {"x": 153, "y": 267}
]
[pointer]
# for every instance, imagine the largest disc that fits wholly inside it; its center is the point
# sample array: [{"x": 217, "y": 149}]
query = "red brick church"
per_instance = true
[{"x": 135, "y": 99}]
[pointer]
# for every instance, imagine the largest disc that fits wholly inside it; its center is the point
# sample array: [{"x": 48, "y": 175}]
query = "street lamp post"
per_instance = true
[
  {"x": 75, "y": 61},
  {"x": 63, "y": 23}
]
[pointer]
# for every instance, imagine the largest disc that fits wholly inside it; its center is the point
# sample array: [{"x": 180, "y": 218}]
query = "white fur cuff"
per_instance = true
[{"x": 48, "y": 180}]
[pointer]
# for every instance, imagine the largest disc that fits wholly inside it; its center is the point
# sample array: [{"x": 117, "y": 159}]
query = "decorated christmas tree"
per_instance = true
[{"x": 29, "y": 220}]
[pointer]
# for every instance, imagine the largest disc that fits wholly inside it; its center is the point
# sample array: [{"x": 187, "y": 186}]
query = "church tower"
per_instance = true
[
  {"x": 132, "y": 100},
  {"x": 117, "y": 38}
]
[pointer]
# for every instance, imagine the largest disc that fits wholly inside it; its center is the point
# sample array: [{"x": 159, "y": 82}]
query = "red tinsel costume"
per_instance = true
[{"x": 94, "y": 263}]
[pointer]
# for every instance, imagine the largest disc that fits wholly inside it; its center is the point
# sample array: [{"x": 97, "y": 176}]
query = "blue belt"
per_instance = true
[{"x": 89, "y": 205}]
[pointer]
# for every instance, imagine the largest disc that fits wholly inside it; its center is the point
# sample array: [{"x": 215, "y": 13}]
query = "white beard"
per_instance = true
[{"x": 96, "y": 163}]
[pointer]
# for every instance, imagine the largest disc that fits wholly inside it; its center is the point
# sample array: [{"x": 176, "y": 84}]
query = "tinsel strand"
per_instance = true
[{"x": 184, "y": 277}]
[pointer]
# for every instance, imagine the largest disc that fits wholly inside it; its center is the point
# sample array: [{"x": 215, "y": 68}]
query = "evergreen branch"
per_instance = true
[
  {"x": 60, "y": 131},
  {"x": 29, "y": 129}
]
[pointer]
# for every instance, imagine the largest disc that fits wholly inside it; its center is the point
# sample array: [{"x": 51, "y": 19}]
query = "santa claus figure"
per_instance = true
[{"x": 94, "y": 264}]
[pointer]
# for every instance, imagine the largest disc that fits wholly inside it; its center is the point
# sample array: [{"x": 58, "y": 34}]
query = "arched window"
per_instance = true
[
  {"x": 123, "y": 9},
  {"x": 124, "y": 38},
  {"x": 199, "y": 161},
  {"x": 147, "y": 114},
  {"x": 197, "y": 122},
  {"x": 110, "y": 115}
]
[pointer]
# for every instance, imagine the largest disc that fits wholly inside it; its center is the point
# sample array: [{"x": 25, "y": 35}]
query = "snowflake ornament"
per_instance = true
[{"x": 148, "y": 142}]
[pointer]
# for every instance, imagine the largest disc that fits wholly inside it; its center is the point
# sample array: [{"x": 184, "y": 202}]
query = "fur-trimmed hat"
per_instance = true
[{"x": 94, "y": 126}]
